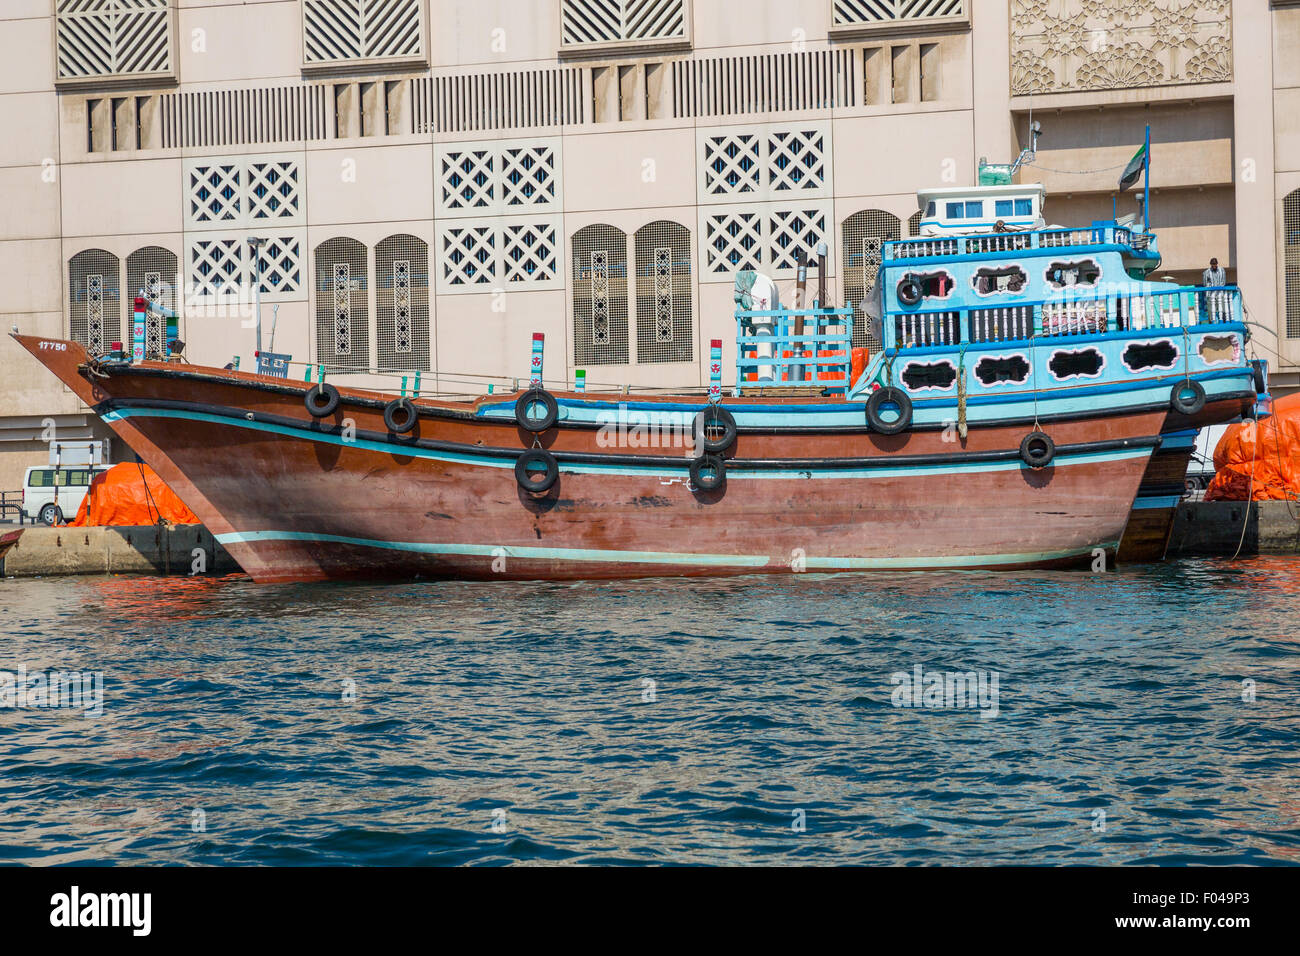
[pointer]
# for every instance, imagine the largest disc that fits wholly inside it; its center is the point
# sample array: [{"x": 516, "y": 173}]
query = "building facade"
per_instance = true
[{"x": 420, "y": 185}]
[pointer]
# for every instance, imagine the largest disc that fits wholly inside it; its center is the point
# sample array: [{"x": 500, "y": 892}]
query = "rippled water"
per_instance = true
[{"x": 768, "y": 734}]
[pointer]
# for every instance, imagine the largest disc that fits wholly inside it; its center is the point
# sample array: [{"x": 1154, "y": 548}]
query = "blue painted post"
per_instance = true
[
  {"x": 715, "y": 371},
  {"x": 539, "y": 343},
  {"x": 1146, "y": 182},
  {"x": 137, "y": 329},
  {"x": 403, "y": 386},
  {"x": 415, "y": 391},
  {"x": 580, "y": 380}
]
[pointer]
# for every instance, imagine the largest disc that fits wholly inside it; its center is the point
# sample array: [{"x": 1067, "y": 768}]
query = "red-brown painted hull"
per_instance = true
[
  {"x": 338, "y": 511},
  {"x": 7, "y": 540}
]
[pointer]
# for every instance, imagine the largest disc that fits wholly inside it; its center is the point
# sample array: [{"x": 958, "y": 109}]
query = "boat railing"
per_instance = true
[
  {"x": 1000, "y": 324},
  {"x": 927, "y": 247},
  {"x": 1000, "y": 242},
  {"x": 770, "y": 352},
  {"x": 1070, "y": 314},
  {"x": 928, "y": 328}
]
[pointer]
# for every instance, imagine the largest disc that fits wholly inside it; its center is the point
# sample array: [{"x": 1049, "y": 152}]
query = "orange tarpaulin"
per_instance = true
[
  {"x": 129, "y": 494},
  {"x": 1260, "y": 459}
]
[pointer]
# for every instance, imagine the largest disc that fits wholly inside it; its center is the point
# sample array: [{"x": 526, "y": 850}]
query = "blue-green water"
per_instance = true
[{"x": 507, "y": 722}]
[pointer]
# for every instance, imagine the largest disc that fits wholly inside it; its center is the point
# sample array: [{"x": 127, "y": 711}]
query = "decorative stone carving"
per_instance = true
[{"x": 1060, "y": 46}]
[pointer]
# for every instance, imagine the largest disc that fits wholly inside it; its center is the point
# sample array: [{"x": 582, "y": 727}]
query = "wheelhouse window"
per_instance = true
[
  {"x": 1014, "y": 207},
  {"x": 988, "y": 281},
  {"x": 965, "y": 210},
  {"x": 1061, "y": 275},
  {"x": 928, "y": 285}
]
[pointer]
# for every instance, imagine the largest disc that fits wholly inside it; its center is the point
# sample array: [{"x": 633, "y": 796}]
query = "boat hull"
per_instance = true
[{"x": 293, "y": 498}]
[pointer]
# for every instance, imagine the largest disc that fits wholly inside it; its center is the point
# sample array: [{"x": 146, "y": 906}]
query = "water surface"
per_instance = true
[{"x": 744, "y": 720}]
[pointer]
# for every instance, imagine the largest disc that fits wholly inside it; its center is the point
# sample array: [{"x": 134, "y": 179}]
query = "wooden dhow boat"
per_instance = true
[{"x": 1007, "y": 421}]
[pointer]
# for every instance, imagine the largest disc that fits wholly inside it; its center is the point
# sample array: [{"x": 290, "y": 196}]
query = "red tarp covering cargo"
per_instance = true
[
  {"x": 129, "y": 494},
  {"x": 1260, "y": 459}
]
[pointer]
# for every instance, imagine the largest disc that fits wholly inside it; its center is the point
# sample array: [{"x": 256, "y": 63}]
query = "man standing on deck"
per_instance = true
[{"x": 1213, "y": 278}]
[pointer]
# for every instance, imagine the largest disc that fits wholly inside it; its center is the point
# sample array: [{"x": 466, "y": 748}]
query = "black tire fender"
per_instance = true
[
  {"x": 314, "y": 404},
  {"x": 1183, "y": 405},
  {"x": 528, "y": 477},
  {"x": 536, "y": 396},
  {"x": 1037, "y": 449},
  {"x": 909, "y": 290},
  {"x": 714, "y": 417},
  {"x": 1257, "y": 367},
  {"x": 400, "y": 416},
  {"x": 884, "y": 396},
  {"x": 708, "y": 472}
]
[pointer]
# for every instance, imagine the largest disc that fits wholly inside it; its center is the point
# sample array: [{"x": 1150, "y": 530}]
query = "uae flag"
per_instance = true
[{"x": 1134, "y": 169}]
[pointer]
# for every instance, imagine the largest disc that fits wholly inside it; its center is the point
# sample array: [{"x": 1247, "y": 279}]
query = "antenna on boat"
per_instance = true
[
  {"x": 1029, "y": 153},
  {"x": 275, "y": 317},
  {"x": 256, "y": 243}
]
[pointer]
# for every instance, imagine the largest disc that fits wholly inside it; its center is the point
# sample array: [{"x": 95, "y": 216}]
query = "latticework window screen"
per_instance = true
[
  {"x": 739, "y": 164},
  {"x": 864, "y": 235},
  {"x": 914, "y": 225},
  {"x": 113, "y": 38},
  {"x": 402, "y": 303},
  {"x": 664, "y": 318},
  {"x": 95, "y": 299},
  {"x": 600, "y": 334},
  {"x": 609, "y": 21},
  {"x": 1291, "y": 223},
  {"x": 850, "y": 12},
  {"x": 341, "y": 30},
  {"x": 152, "y": 270},
  {"x": 342, "y": 314}
]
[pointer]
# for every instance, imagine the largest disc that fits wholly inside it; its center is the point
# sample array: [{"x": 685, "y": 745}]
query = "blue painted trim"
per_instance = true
[
  {"x": 590, "y": 555},
  {"x": 671, "y": 468},
  {"x": 1039, "y": 252},
  {"x": 1151, "y": 503},
  {"x": 1054, "y": 394},
  {"x": 1138, "y": 336},
  {"x": 963, "y": 226}
]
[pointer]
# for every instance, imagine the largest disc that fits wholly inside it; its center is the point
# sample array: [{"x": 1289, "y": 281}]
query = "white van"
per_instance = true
[
  {"x": 1200, "y": 470},
  {"x": 54, "y": 494}
]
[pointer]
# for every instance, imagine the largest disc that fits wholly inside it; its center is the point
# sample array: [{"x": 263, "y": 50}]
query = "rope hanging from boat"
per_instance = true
[
  {"x": 1033, "y": 376},
  {"x": 961, "y": 391}
]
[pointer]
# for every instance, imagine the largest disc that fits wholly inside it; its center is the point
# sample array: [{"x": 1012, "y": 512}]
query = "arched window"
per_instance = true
[
  {"x": 153, "y": 272},
  {"x": 1291, "y": 225},
  {"x": 864, "y": 233},
  {"x": 914, "y": 225},
  {"x": 402, "y": 303},
  {"x": 664, "y": 319},
  {"x": 342, "y": 314},
  {"x": 95, "y": 299},
  {"x": 600, "y": 296}
]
